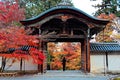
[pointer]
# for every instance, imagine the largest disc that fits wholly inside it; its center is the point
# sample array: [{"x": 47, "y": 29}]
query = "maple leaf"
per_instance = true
[
  {"x": 38, "y": 56},
  {"x": 10, "y": 13}
]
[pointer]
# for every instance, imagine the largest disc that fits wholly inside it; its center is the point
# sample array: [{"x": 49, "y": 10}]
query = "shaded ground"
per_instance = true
[{"x": 60, "y": 75}]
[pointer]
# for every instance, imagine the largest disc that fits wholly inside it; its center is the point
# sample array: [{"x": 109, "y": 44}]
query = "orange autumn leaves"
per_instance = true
[
  {"x": 72, "y": 52},
  {"x": 105, "y": 16},
  {"x": 104, "y": 36},
  {"x": 15, "y": 38}
]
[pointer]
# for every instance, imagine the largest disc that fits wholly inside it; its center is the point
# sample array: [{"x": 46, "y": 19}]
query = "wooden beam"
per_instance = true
[{"x": 65, "y": 36}]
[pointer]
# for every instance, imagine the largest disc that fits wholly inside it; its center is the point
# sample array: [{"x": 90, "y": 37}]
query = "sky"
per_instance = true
[{"x": 86, "y": 5}]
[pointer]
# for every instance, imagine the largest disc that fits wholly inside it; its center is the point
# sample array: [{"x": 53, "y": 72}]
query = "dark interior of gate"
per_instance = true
[{"x": 71, "y": 30}]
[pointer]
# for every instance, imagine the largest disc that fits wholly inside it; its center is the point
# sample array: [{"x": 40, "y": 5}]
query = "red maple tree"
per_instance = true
[
  {"x": 13, "y": 38},
  {"x": 10, "y": 13}
]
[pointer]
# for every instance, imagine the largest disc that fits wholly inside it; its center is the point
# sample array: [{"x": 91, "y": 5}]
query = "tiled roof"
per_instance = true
[
  {"x": 63, "y": 10},
  {"x": 104, "y": 47},
  {"x": 23, "y": 48}
]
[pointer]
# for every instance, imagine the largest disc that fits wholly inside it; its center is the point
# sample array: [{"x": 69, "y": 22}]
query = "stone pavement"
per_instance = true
[{"x": 60, "y": 75}]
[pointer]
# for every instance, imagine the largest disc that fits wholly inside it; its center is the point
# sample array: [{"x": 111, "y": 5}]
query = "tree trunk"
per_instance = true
[{"x": 3, "y": 64}]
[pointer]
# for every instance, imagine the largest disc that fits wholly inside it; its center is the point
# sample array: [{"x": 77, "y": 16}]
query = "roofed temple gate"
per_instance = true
[{"x": 70, "y": 25}]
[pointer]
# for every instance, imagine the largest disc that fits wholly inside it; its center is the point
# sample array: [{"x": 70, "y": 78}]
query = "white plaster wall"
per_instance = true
[
  {"x": 98, "y": 63},
  {"x": 114, "y": 63},
  {"x": 14, "y": 66},
  {"x": 27, "y": 65}
]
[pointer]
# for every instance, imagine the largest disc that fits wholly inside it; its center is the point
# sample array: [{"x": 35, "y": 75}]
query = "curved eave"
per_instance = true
[{"x": 64, "y": 10}]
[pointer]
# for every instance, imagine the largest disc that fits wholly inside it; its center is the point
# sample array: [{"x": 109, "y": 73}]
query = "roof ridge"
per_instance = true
[{"x": 105, "y": 43}]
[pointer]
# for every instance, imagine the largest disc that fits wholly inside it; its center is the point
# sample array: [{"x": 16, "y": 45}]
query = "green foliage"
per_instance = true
[
  {"x": 116, "y": 79},
  {"x": 107, "y": 6},
  {"x": 35, "y": 7}
]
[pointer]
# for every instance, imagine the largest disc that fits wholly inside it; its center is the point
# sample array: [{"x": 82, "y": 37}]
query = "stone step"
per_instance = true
[{"x": 68, "y": 73}]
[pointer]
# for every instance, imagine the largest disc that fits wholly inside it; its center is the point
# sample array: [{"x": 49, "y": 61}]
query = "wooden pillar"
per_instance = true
[
  {"x": 88, "y": 50},
  {"x": 40, "y": 68},
  {"x": 83, "y": 55},
  {"x": 88, "y": 57},
  {"x": 43, "y": 67}
]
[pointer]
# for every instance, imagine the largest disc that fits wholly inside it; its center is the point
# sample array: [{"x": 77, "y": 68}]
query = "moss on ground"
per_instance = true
[{"x": 116, "y": 79}]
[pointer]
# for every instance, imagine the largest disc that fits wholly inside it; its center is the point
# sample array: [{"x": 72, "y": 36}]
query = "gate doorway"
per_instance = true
[
  {"x": 58, "y": 50},
  {"x": 69, "y": 24}
]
